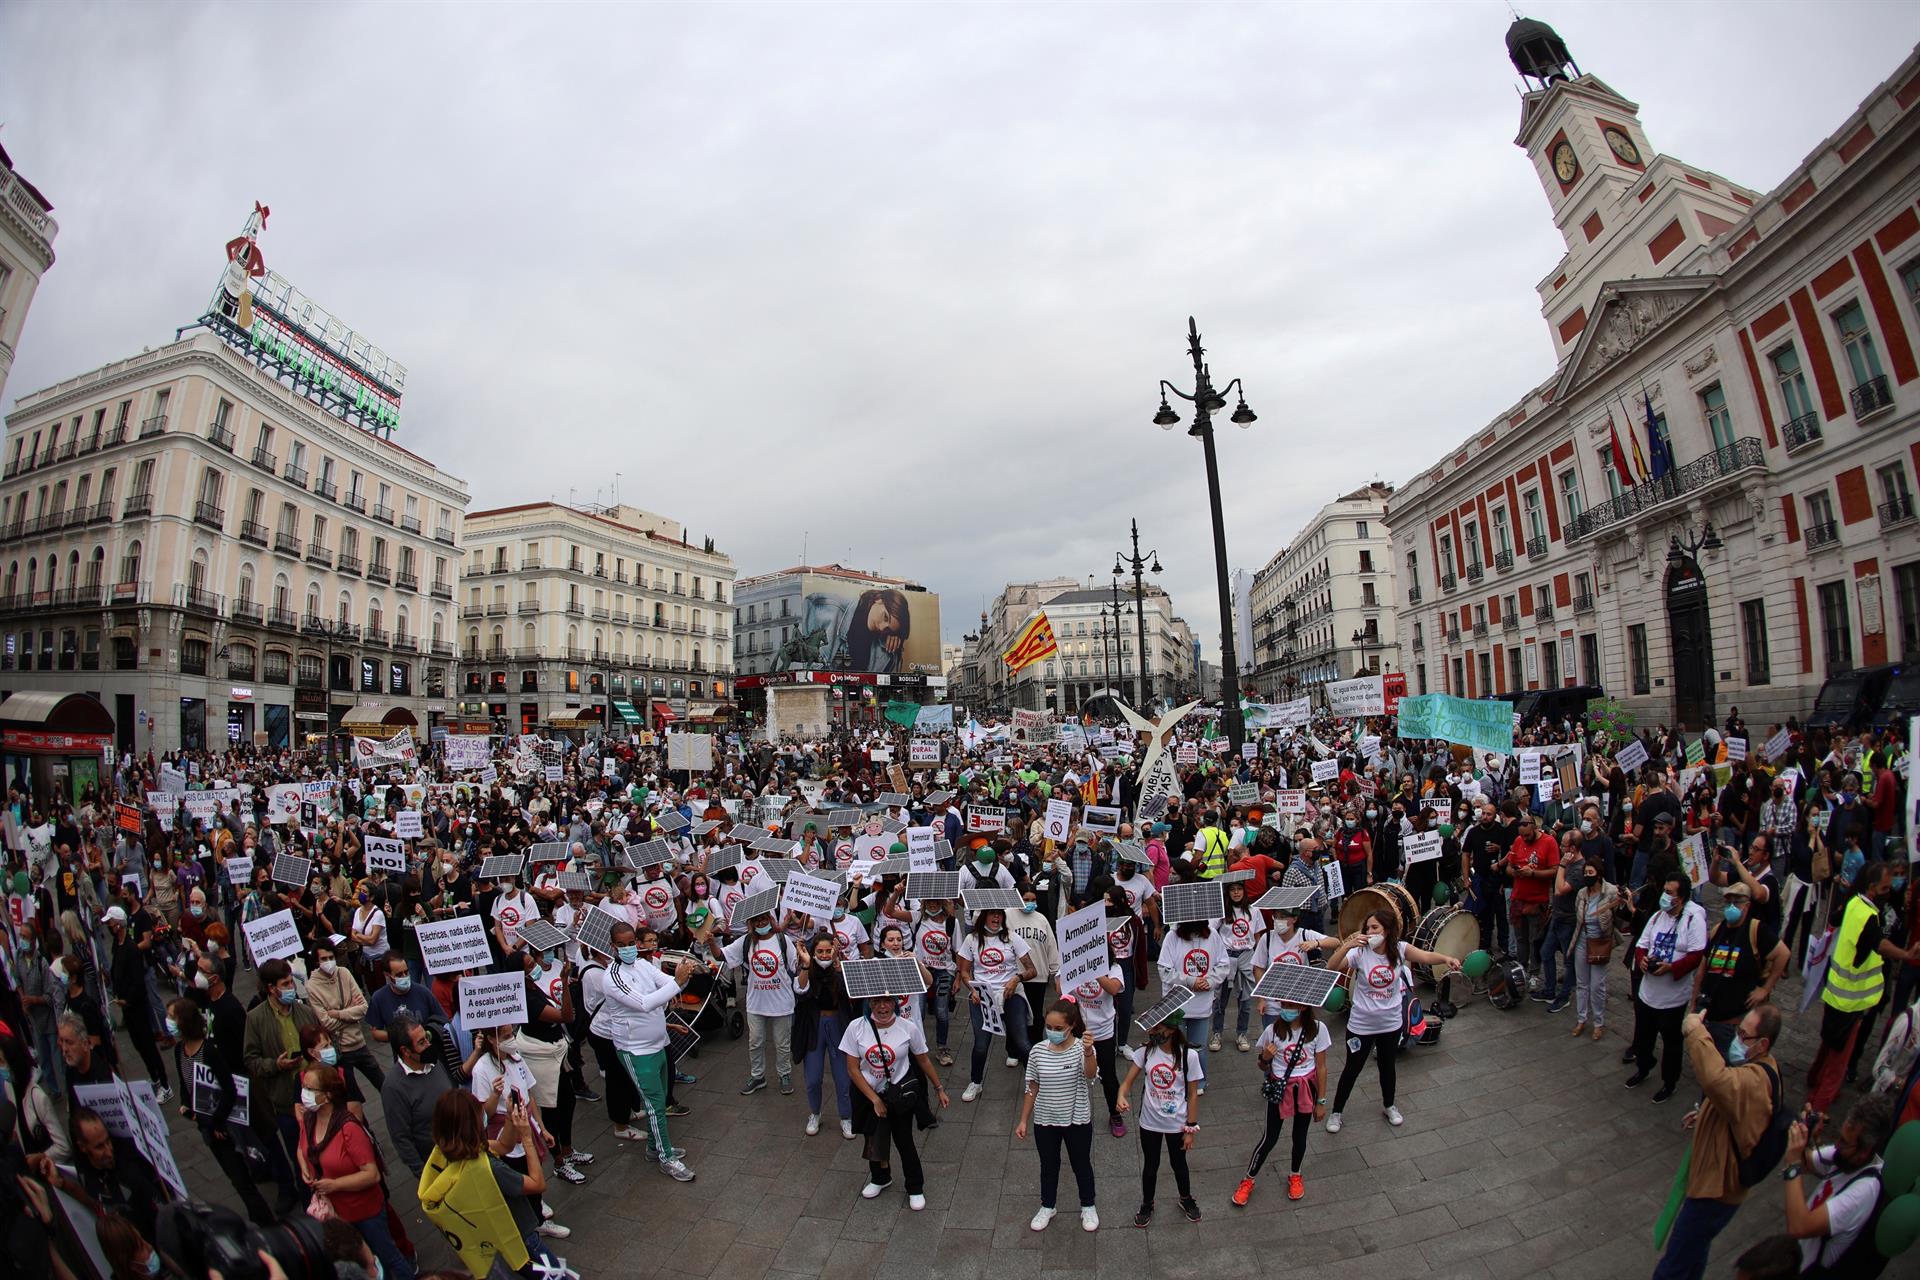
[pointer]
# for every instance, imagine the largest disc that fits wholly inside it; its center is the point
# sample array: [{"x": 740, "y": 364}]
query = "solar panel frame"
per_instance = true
[
  {"x": 745, "y": 832},
  {"x": 883, "y": 976},
  {"x": 837, "y": 818},
  {"x": 290, "y": 869},
  {"x": 892, "y": 826},
  {"x": 549, "y": 851},
  {"x": 774, "y": 845},
  {"x": 594, "y": 930},
  {"x": 899, "y": 866},
  {"x": 893, "y": 800},
  {"x": 501, "y": 866},
  {"x": 694, "y": 829},
  {"x": 1132, "y": 851},
  {"x": 942, "y": 851},
  {"x": 937, "y": 885},
  {"x": 673, "y": 820},
  {"x": 1185, "y": 903},
  {"x": 780, "y": 868},
  {"x": 1174, "y": 999},
  {"x": 1234, "y": 877},
  {"x": 761, "y": 902},
  {"x": 937, "y": 798},
  {"x": 541, "y": 935},
  {"x": 1305, "y": 984},
  {"x": 576, "y": 882},
  {"x": 648, "y": 853},
  {"x": 1288, "y": 897},
  {"x": 978, "y": 900},
  {"x": 726, "y": 855}
]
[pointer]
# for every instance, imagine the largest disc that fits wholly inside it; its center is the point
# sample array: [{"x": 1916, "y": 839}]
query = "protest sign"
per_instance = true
[
  {"x": 467, "y": 750},
  {"x": 1157, "y": 789},
  {"x": 1290, "y": 715},
  {"x": 1033, "y": 728},
  {"x": 1631, "y": 757},
  {"x": 1104, "y": 819},
  {"x": 923, "y": 751},
  {"x": 1422, "y": 846},
  {"x": 283, "y": 804},
  {"x": 810, "y": 896},
  {"x": 920, "y": 852},
  {"x": 1693, "y": 856},
  {"x": 406, "y": 824},
  {"x": 451, "y": 945},
  {"x": 1530, "y": 767},
  {"x": 1326, "y": 770},
  {"x": 1736, "y": 748},
  {"x": 1241, "y": 794},
  {"x": 1187, "y": 753},
  {"x": 1777, "y": 745},
  {"x": 385, "y": 855},
  {"x": 552, "y": 772},
  {"x": 1289, "y": 802},
  {"x": 690, "y": 751},
  {"x": 1336, "y": 883},
  {"x": 1486, "y": 724},
  {"x": 1249, "y": 750},
  {"x": 272, "y": 937},
  {"x": 986, "y": 819},
  {"x": 493, "y": 999},
  {"x": 1365, "y": 696},
  {"x": 239, "y": 869},
  {"x": 205, "y": 1094},
  {"x": 1059, "y": 820},
  {"x": 1082, "y": 936}
]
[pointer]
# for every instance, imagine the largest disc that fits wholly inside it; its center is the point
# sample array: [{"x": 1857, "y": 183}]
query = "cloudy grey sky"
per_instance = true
[{"x": 897, "y": 280}]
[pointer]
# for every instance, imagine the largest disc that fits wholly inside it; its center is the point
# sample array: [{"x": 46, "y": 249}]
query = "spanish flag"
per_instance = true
[{"x": 1034, "y": 642}]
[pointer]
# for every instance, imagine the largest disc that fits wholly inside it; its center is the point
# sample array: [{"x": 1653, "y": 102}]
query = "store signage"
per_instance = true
[{"x": 240, "y": 693}]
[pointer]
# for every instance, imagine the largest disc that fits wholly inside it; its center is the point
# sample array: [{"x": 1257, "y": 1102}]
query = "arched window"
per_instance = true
[
  {"x": 313, "y": 600},
  {"x": 97, "y": 569},
  {"x": 13, "y": 577},
  {"x": 33, "y": 573},
  {"x": 401, "y": 628},
  {"x": 439, "y": 627},
  {"x": 344, "y": 609},
  {"x": 499, "y": 640},
  {"x": 527, "y": 641},
  {"x": 245, "y": 596},
  {"x": 130, "y": 563}
]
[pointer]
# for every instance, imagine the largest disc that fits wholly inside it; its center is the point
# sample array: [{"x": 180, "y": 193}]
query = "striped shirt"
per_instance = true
[{"x": 1059, "y": 1081}]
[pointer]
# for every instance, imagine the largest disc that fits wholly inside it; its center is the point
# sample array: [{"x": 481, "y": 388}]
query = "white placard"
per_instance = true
[
  {"x": 992, "y": 1021},
  {"x": 1736, "y": 749},
  {"x": 986, "y": 819},
  {"x": 449, "y": 946},
  {"x": 239, "y": 870},
  {"x": 1249, "y": 749},
  {"x": 1290, "y": 802},
  {"x": 283, "y": 804},
  {"x": 1326, "y": 770},
  {"x": 923, "y": 751},
  {"x": 1530, "y": 763},
  {"x": 920, "y": 849},
  {"x": 1290, "y": 715},
  {"x": 1334, "y": 879},
  {"x": 1777, "y": 745},
  {"x": 1104, "y": 819},
  {"x": 406, "y": 824},
  {"x": 810, "y": 896},
  {"x": 467, "y": 751},
  {"x": 492, "y": 1000},
  {"x": 1059, "y": 820},
  {"x": 488, "y": 776},
  {"x": 1365, "y": 696},
  {"x": 552, "y": 772},
  {"x": 273, "y": 937},
  {"x": 690, "y": 751},
  {"x": 1187, "y": 753},
  {"x": 206, "y": 1091},
  {"x": 385, "y": 855},
  {"x": 1082, "y": 936},
  {"x": 1422, "y": 846},
  {"x": 1631, "y": 757},
  {"x": 1693, "y": 856}
]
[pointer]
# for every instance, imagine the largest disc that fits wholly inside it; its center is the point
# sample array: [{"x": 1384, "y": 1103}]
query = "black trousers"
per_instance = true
[
  {"x": 1150, "y": 1144},
  {"x": 620, "y": 1097},
  {"x": 895, "y": 1129},
  {"x": 1078, "y": 1140},
  {"x": 1109, "y": 1082},
  {"x": 1649, "y": 1022},
  {"x": 234, "y": 1165},
  {"x": 1387, "y": 1043},
  {"x": 1302, "y": 1122}
]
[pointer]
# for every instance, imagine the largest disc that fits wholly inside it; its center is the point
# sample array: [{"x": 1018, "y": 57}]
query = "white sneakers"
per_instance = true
[
  {"x": 916, "y": 1203},
  {"x": 846, "y": 1130},
  {"x": 813, "y": 1124},
  {"x": 1394, "y": 1117},
  {"x": 971, "y": 1092},
  {"x": 1334, "y": 1122},
  {"x": 872, "y": 1190},
  {"x": 1041, "y": 1217},
  {"x": 1089, "y": 1218},
  {"x": 554, "y": 1231},
  {"x": 1241, "y": 1044},
  {"x": 627, "y": 1133},
  {"x": 676, "y": 1170}
]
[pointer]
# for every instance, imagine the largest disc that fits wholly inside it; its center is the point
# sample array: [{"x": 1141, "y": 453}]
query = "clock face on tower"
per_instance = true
[
  {"x": 1622, "y": 146},
  {"x": 1565, "y": 164}
]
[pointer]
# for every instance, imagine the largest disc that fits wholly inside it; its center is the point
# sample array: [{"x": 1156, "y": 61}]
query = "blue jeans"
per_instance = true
[
  {"x": 1553, "y": 951},
  {"x": 1225, "y": 994},
  {"x": 379, "y": 1239},
  {"x": 940, "y": 1000},
  {"x": 1196, "y": 1032},
  {"x": 826, "y": 1048},
  {"x": 1694, "y": 1228},
  {"x": 1014, "y": 1014}
]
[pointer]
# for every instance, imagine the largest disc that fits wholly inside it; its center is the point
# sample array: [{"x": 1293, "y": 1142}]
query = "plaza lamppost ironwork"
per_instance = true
[
  {"x": 1679, "y": 552},
  {"x": 1150, "y": 562},
  {"x": 1206, "y": 401}
]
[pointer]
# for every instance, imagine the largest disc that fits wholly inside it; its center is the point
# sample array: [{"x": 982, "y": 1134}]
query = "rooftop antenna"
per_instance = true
[{"x": 616, "y": 488}]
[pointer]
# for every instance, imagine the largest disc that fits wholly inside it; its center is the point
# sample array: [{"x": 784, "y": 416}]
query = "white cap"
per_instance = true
[{"x": 117, "y": 914}]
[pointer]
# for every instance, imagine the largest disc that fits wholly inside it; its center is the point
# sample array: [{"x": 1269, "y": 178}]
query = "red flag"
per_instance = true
[{"x": 1619, "y": 455}]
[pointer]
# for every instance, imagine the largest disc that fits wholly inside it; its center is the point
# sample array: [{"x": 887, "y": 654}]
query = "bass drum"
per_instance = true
[
  {"x": 688, "y": 1005},
  {"x": 1388, "y": 896},
  {"x": 1449, "y": 930}
]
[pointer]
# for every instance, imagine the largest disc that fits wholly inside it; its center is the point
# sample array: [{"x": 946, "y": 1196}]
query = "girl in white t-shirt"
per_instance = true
[
  {"x": 1240, "y": 928},
  {"x": 1194, "y": 954},
  {"x": 992, "y": 962},
  {"x": 930, "y": 939},
  {"x": 1293, "y": 1060},
  {"x": 1286, "y": 941},
  {"x": 880, "y": 1049},
  {"x": 1169, "y": 1112},
  {"x": 1095, "y": 996},
  {"x": 1378, "y": 962}
]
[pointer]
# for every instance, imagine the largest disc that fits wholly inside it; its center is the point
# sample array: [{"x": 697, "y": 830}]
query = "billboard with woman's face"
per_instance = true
[{"x": 847, "y": 627}]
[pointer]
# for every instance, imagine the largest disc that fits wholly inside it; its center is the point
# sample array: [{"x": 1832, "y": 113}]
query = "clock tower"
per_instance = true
[{"x": 1624, "y": 211}]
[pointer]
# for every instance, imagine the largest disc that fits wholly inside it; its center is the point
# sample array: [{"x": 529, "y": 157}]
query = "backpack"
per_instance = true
[
  {"x": 1771, "y": 1146},
  {"x": 1863, "y": 1259}
]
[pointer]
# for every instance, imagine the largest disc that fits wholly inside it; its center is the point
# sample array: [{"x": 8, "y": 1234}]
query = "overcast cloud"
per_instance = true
[{"x": 893, "y": 281}]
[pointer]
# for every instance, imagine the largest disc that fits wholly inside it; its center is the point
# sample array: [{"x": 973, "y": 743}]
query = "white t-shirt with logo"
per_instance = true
[
  {"x": 1164, "y": 1108},
  {"x": 883, "y": 1055},
  {"x": 995, "y": 962},
  {"x": 656, "y": 899},
  {"x": 1242, "y": 933},
  {"x": 1273, "y": 949},
  {"x": 1286, "y": 1039},
  {"x": 770, "y": 964},
  {"x": 1096, "y": 1004},
  {"x": 1376, "y": 990},
  {"x": 850, "y": 934},
  {"x": 514, "y": 912},
  {"x": 1121, "y": 940},
  {"x": 933, "y": 941},
  {"x": 1138, "y": 887},
  {"x": 1184, "y": 961}
]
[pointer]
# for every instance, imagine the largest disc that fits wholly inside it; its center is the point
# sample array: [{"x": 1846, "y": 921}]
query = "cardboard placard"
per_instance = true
[
  {"x": 493, "y": 999},
  {"x": 1082, "y": 937},
  {"x": 451, "y": 945},
  {"x": 1059, "y": 820},
  {"x": 810, "y": 896},
  {"x": 407, "y": 825},
  {"x": 272, "y": 937},
  {"x": 384, "y": 854}
]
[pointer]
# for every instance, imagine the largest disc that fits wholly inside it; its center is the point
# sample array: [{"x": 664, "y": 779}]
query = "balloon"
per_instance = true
[
  {"x": 1902, "y": 1159},
  {"x": 22, "y": 885},
  {"x": 1899, "y": 1224},
  {"x": 1336, "y": 1000},
  {"x": 1477, "y": 964},
  {"x": 1441, "y": 893}
]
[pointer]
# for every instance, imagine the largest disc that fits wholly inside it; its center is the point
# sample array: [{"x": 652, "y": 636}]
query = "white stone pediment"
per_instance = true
[{"x": 1626, "y": 315}]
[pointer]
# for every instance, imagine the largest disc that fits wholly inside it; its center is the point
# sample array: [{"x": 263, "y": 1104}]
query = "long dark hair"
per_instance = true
[
  {"x": 979, "y": 926},
  {"x": 861, "y": 640},
  {"x": 1390, "y": 926}
]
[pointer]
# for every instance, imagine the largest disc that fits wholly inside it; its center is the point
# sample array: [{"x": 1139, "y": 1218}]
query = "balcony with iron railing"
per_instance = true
[
  {"x": 679, "y": 590},
  {"x": 1510, "y": 622},
  {"x": 599, "y": 571},
  {"x": 528, "y": 564},
  {"x": 153, "y": 426},
  {"x": 240, "y": 668},
  {"x": 220, "y": 436},
  {"x": 116, "y": 435},
  {"x": 1479, "y": 630},
  {"x": 380, "y": 571},
  {"x": 1448, "y": 582},
  {"x": 575, "y": 610},
  {"x": 69, "y": 450},
  {"x": 197, "y": 599},
  {"x": 410, "y": 523},
  {"x": 404, "y": 643},
  {"x": 576, "y": 654},
  {"x": 1696, "y": 477},
  {"x": 326, "y": 489},
  {"x": 253, "y": 531},
  {"x": 383, "y": 513},
  {"x": 1583, "y": 603},
  {"x": 497, "y": 609},
  {"x": 1413, "y": 595},
  {"x": 138, "y": 504},
  {"x": 1802, "y": 432},
  {"x": 442, "y": 649},
  {"x": 622, "y": 617},
  {"x": 527, "y": 606},
  {"x": 376, "y": 636},
  {"x": 247, "y": 611},
  {"x": 1896, "y": 510},
  {"x": 600, "y": 613},
  {"x": 295, "y": 475},
  {"x": 528, "y": 655},
  {"x": 282, "y": 619},
  {"x": 92, "y": 443},
  {"x": 1476, "y": 571},
  {"x": 346, "y": 630},
  {"x": 443, "y": 535},
  {"x": 678, "y": 628},
  {"x": 356, "y": 502},
  {"x": 722, "y": 634},
  {"x": 47, "y": 455},
  {"x": 406, "y": 580},
  {"x": 264, "y": 459},
  {"x": 102, "y": 512},
  {"x": 210, "y": 514},
  {"x": 1503, "y": 560},
  {"x": 1453, "y": 635},
  {"x": 320, "y": 553},
  {"x": 1542, "y": 609},
  {"x": 443, "y": 588},
  {"x": 1824, "y": 534},
  {"x": 347, "y": 564},
  {"x": 287, "y": 544},
  {"x": 1872, "y": 397}
]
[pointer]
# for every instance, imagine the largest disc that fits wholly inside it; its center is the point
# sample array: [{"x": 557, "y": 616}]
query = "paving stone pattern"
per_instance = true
[{"x": 1522, "y": 1155}]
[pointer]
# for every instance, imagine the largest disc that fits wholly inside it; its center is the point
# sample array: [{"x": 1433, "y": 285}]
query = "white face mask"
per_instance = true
[
  {"x": 328, "y": 966},
  {"x": 1378, "y": 942},
  {"x": 310, "y": 1098}
]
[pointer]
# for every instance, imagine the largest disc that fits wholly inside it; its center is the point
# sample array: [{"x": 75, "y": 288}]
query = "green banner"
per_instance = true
[
  {"x": 1486, "y": 725},
  {"x": 903, "y": 713}
]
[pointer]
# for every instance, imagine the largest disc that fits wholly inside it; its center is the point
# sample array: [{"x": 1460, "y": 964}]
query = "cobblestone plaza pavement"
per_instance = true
[{"x": 1521, "y": 1155}]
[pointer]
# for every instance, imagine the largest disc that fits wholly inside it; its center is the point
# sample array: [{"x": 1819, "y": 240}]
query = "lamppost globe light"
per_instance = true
[
  {"x": 1156, "y": 565},
  {"x": 1166, "y": 419},
  {"x": 1243, "y": 416},
  {"x": 1116, "y": 569},
  {"x": 1712, "y": 542}
]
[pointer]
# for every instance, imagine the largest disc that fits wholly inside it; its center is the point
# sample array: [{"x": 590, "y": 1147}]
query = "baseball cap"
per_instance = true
[{"x": 117, "y": 914}]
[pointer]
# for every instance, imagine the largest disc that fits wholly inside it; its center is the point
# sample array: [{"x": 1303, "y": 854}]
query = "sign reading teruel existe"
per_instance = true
[{"x": 264, "y": 316}]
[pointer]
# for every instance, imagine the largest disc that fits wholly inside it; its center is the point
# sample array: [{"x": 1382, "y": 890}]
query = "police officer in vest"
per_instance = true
[{"x": 1856, "y": 981}]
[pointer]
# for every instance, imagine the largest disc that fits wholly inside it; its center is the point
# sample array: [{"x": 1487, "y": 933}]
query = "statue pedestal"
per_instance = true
[{"x": 801, "y": 710}]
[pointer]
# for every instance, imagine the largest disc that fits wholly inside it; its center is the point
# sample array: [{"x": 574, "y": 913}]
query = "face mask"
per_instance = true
[
  {"x": 288, "y": 996},
  {"x": 1586, "y": 827},
  {"x": 310, "y": 1097},
  {"x": 1373, "y": 813},
  {"x": 329, "y": 1055},
  {"x": 403, "y": 984},
  {"x": 1056, "y": 1037},
  {"x": 1289, "y": 1015},
  {"x": 763, "y": 929},
  {"x": 1028, "y": 908},
  {"x": 1666, "y": 902},
  {"x": 629, "y": 954},
  {"x": 1736, "y": 1052},
  {"x": 1378, "y": 942},
  {"x": 328, "y": 966},
  {"x": 1899, "y": 882},
  {"x": 1730, "y": 913},
  {"x": 1351, "y": 823},
  {"x": 839, "y": 913},
  {"x": 173, "y": 1029},
  {"x": 1593, "y": 879},
  {"x": 198, "y": 910},
  {"x": 152, "y": 1264},
  {"x": 200, "y": 981}
]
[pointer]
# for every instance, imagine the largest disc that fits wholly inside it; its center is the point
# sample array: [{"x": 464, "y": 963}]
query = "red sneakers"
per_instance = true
[
  {"x": 1243, "y": 1192},
  {"x": 1296, "y": 1187}
]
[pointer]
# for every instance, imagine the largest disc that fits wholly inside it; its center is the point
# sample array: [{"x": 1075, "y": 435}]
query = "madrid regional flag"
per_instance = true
[{"x": 1034, "y": 642}]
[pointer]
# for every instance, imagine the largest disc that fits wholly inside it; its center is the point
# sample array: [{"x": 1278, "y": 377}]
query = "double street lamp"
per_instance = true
[
  {"x": 1138, "y": 563},
  {"x": 1206, "y": 402}
]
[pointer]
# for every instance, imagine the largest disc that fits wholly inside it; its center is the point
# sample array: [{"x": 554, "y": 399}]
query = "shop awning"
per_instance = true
[
  {"x": 625, "y": 711},
  {"x": 578, "y": 720},
  {"x": 378, "y": 720},
  {"x": 55, "y": 723},
  {"x": 661, "y": 711}
]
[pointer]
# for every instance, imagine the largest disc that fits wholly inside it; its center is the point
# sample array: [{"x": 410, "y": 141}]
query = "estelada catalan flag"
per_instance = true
[{"x": 1034, "y": 642}]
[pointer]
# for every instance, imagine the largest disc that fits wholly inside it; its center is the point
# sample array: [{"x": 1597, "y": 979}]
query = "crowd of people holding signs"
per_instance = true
[{"x": 486, "y": 934}]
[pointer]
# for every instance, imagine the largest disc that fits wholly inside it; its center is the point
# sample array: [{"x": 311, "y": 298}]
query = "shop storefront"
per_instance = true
[{"x": 55, "y": 744}]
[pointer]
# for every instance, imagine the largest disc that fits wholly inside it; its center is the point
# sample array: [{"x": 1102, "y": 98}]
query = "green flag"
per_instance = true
[{"x": 903, "y": 713}]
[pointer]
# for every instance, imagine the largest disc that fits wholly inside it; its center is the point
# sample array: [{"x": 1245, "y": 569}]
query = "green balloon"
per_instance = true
[
  {"x": 1441, "y": 893},
  {"x": 1899, "y": 1224},
  {"x": 895, "y": 847},
  {"x": 21, "y": 884},
  {"x": 1336, "y": 1000},
  {"x": 1477, "y": 964},
  {"x": 1902, "y": 1159}
]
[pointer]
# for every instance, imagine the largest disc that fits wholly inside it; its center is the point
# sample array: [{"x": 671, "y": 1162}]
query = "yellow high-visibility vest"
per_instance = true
[
  {"x": 1213, "y": 859},
  {"x": 1854, "y": 982}
]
